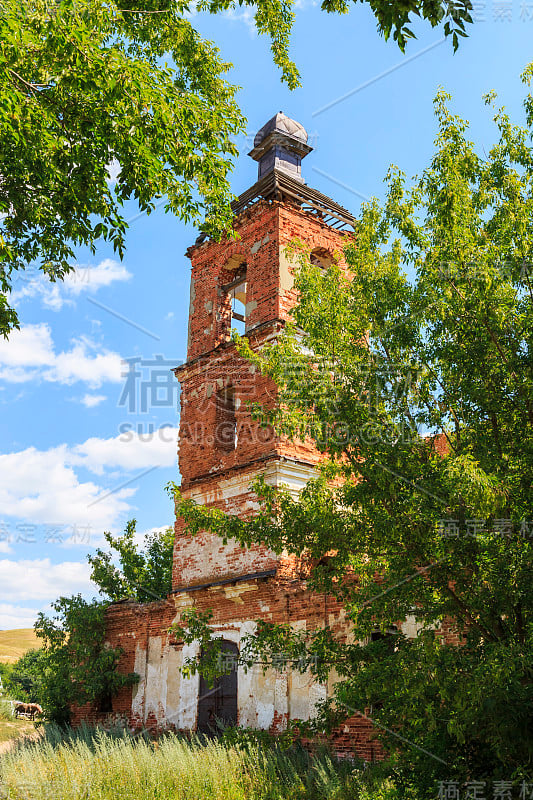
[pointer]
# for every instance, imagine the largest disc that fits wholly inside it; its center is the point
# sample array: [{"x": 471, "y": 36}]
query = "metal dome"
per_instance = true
[{"x": 281, "y": 123}]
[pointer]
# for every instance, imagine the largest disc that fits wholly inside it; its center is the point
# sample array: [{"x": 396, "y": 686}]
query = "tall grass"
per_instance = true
[
  {"x": 5, "y": 710},
  {"x": 116, "y": 766}
]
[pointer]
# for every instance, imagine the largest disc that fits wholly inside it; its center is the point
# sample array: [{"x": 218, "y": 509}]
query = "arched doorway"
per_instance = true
[{"x": 217, "y": 703}]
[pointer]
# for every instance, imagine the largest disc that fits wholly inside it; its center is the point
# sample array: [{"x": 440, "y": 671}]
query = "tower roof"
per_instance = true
[
  {"x": 280, "y": 145},
  {"x": 278, "y": 185},
  {"x": 281, "y": 123}
]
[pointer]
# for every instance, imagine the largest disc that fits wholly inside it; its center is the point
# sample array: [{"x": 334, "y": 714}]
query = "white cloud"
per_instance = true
[
  {"x": 140, "y": 536},
  {"x": 92, "y": 400},
  {"x": 83, "y": 278},
  {"x": 91, "y": 278},
  {"x": 77, "y": 364},
  {"x": 29, "y": 353},
  {"x": 39, "y": 580},
  {"x": 127, "y": 451},
  {"x": 5, "y": 547},
  {"x": 246, "y": 16},
  {"x": 43, "y": 486},
  {"x": 30, "y": 346},
  {"x": 16, "y": 616}
]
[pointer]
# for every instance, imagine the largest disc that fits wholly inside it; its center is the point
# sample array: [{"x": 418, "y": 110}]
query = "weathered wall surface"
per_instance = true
[
  {"x": 164, "y": 699},
  {"x": 204, "y": 557},
  {"x": 265, "y": 230},
  {"x": 217, "y": 475}
]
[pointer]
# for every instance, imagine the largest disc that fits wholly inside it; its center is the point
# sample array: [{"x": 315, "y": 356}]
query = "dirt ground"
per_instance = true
[{"x": 12, "y": 730}]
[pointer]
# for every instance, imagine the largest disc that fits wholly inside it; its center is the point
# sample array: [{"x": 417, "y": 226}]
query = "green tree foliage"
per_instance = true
[
  {"x": 415, "y": 379},
  {"x": 76, "y": 667},
  {"x": 22, "y": 680},
  {"x": 4, "y": 672},
  {"x": 143, "y": 575},
  {"x": 395, "y": 18},
  {"x": 86, "y": 83}
]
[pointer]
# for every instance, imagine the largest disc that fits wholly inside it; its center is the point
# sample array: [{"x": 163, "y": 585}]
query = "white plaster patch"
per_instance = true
[
  {"x": 317, "y": 694},
  {"x": 188, "y": 692},
  {"x": 140, "y": 688},
  {"x": 264, "y": 714},
  {"x": 155, "y": 693},
  {"x": 286, "y": 267},
  {"x": 236, "y": 591}
]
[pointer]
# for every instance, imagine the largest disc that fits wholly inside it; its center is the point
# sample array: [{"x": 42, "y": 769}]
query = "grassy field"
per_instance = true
[
  {"x": 95, "y": 765},
  {"x": 13, "y": 644}
]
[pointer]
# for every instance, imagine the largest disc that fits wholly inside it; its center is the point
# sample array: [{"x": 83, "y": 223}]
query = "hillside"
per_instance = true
[{"x": 13, "y": 644}]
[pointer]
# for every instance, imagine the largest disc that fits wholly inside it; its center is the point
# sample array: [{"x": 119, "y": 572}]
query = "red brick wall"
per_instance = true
[
  {"x": 214, "y": 366},
  {"x": 262, "y": 229},
  {"x": 201, "y": 382}
]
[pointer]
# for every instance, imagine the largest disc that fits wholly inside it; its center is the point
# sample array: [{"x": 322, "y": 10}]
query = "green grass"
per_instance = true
[
  {"x": 13, "y": 644},
  {"x": 11, "y": 728},
  {"x": 115, "y": 766}
]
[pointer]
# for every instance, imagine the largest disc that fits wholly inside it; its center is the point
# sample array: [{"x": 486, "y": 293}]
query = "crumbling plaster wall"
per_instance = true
[{"x": 164, "y": 698}]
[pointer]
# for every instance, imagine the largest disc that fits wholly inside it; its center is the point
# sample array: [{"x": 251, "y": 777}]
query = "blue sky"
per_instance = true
[{"x": 79, "y": 454}]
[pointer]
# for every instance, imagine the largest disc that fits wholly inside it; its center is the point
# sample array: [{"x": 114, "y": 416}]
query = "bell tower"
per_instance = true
[{"x": 246, "y": 283}]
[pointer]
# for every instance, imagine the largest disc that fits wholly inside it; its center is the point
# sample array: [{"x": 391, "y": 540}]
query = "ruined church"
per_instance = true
[{"x": 245, "y": 283}]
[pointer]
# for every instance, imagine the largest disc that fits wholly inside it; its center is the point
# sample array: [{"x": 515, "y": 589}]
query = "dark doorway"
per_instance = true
[{"x": 217, "y": 703}]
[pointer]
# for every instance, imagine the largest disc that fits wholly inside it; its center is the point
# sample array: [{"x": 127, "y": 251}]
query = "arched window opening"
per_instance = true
[
  {"x": 388, "y": 638},
  {"x": 217, "y": 700},
  {"x": 320, "y": 257},
  {"x": 235, "y": 293},
  {"x": 238, "y": 305},
  {"x": 226, "y": 420}
]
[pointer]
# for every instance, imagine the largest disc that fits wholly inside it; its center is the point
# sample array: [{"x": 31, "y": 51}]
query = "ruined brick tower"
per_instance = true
[
  {"x": 245, "y": 283},
  {"x": 248, "y": 283}
]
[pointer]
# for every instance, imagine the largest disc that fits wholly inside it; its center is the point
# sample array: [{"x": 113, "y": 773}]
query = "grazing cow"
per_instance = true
[
  {"x": 28, "y": 709},
  {"x": 20, "y": 708},
  {"x": 33, "y": 709}
]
